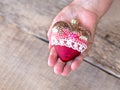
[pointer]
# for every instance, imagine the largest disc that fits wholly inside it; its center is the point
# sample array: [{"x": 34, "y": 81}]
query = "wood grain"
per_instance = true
[
  {"x": 23, "y": 66},
  {"x": 106, "y": 48},
  {"x": 36, "y": 16},
  {"x": 27, "y": 15}
]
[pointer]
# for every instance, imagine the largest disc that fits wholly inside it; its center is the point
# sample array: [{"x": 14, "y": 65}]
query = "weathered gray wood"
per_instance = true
[
  {"x": 36, "y": 16},
  {"x": 106, "y": 49},
  {"x": 23, "y": 66}
]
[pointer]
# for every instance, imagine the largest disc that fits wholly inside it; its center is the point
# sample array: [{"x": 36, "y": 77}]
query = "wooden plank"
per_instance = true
[
  {"x": 23, "y": 66},
  {"x": 106, "y": 48},
  {"x": 36, "y": 16}
]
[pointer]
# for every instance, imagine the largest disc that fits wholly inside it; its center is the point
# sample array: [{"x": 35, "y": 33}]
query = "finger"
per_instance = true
[
  {"x": 67, "y": 68},
  {"x": 52, "y": 59},
  {"x": 59, "y": 66},
  {"x": 76, "y": 63},
  {"x": 49, "y": 45}
]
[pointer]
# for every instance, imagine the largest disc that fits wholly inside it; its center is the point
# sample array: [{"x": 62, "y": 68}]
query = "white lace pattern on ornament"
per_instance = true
[{"x": 79, "y": 46}]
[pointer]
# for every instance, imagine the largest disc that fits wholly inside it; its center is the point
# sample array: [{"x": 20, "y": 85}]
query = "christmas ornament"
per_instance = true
[{"x": 70, "y": 39}]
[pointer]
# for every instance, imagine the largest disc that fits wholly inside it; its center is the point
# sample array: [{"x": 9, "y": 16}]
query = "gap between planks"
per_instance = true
[{"x": 87, "y": 59}]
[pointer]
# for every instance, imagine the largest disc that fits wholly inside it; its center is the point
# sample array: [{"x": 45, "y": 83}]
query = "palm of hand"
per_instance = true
[{"x": 87, "y": 19}]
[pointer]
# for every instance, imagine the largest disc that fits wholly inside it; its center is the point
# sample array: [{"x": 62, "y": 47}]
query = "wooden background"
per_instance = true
[{"x": 23, "y": 57}]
